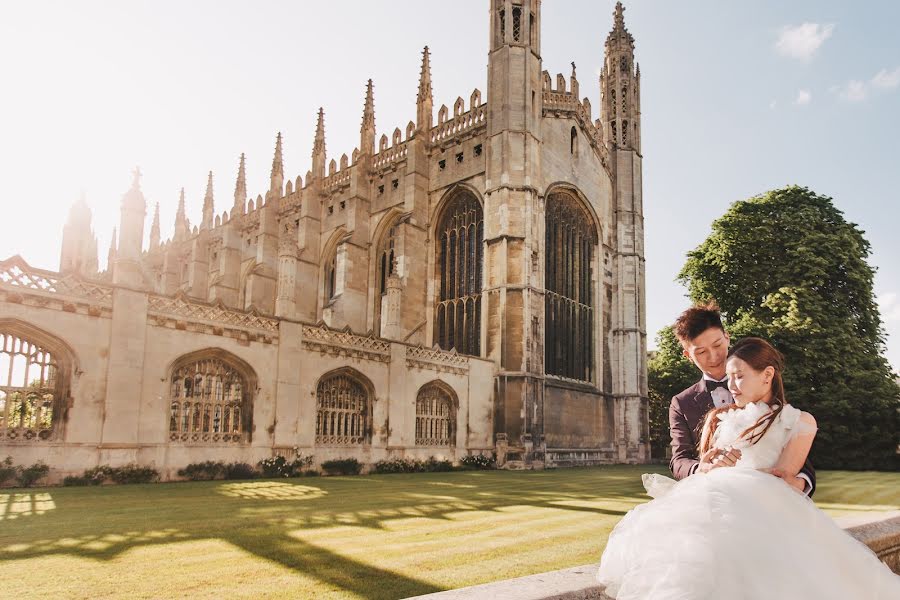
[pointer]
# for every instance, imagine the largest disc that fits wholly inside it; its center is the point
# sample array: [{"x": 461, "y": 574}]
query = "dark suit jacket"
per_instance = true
[{"x": 686, "y": 414}]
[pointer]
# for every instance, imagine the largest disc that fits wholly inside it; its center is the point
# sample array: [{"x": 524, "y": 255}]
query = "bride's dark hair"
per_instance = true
[{"x": 759, "y": 354}]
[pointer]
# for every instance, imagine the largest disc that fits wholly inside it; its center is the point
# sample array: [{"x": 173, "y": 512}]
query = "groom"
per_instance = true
[{"x": 705, "y": 342}]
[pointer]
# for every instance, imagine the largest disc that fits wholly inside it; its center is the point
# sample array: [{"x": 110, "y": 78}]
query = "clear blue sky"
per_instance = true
[{"x": 738, "y": 98}]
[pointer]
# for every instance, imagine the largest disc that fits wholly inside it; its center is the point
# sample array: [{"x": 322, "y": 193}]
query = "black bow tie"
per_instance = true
[{"x": 711, "y": 385}]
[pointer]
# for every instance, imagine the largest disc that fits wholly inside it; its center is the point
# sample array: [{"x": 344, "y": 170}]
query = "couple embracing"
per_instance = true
[{"x": 738, "y": 523}]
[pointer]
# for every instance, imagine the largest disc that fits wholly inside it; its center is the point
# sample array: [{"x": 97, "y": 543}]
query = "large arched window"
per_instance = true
[
  {"x": 459, "y": 235},
  {"x": 210, "y": 399},
  {"x": 435, "y": 416},
  {"x": 569, "y": 314},
  {"x": 33, "y": 387},
  {"x": 343, "y": 410}
]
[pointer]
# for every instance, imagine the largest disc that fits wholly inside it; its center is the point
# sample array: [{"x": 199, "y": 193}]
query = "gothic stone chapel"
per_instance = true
[{"x": 472, "y": 284}]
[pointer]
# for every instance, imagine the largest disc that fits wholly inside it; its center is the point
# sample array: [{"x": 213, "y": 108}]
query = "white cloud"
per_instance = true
[
  {"x": 887, "y": 79},
  {"x": 772, "y": 104},
  {"x": 889, "y": 306},
  {"x": 803, "y": 41},
  {"x": 852, "y": 91},
  {"x": 803, "y": 98}
]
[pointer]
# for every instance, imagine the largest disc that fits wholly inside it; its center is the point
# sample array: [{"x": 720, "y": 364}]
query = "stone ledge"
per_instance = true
[{"x": 879, "y": 531}]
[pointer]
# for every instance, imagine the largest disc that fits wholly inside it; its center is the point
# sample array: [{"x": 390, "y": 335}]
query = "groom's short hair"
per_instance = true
[{"x": 696, "y": 320}]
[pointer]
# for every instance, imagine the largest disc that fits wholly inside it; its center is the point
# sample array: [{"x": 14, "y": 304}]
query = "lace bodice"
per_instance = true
[{"x": 765, "y": 452}]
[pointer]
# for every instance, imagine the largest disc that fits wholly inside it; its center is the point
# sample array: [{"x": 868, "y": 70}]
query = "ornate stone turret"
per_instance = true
[
  {"x": 276, "y": 179},
  {"x": 127, "y": 269},
  {"x": 425, "y": 97},
  {"x": 111, "y": 253},
  {"x": 514, "y": 129},
  {"x": 182, "y": 226},
  {"x": 367, "y": 131},
  {"x": 154, "y": 229},
  {"x": 318, "y": 153},
  {"x": 240, "y": 191},
  {"x": 620, "y": 88},
  {"x": 79, "y": 244},
  {"x": 208, "y": 205},
  {"x": 620, "y": 113}
]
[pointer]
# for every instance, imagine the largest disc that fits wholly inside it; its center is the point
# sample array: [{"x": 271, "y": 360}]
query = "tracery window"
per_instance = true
[
  {"x": 210, "y": 401},
  {"x": 342, "y": 411},
  {"x": 517, "y": 23},
  {"x": 459, "y": 237},
  {"x": 435, "y": 417},
  {"x": 386, "y": 257},
  {"x": 502, "y": 26},
  {"x": 30, "y": 389},
  {"x": 331, "y": 277},
  {"x": 569, "y": 313}
]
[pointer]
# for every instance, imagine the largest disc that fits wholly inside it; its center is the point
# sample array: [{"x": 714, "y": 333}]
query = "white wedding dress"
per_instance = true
[{"x": 739, "y": 534}]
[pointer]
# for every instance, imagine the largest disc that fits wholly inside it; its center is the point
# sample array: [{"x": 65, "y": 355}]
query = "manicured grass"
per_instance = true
[{"x": 372, "y": 537}]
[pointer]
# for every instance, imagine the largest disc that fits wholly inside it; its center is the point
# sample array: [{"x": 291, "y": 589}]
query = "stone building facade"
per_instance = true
[{"x": 472, "y": 284}]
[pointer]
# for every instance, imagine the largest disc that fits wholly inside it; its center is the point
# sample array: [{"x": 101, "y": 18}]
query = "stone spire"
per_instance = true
[
  {"x": 619, "y": 33},
  {"x": 208, "y": 205},
  {"x": 181, "y": 223},
  {"x": 620, "y": 108},
  {"x": 154, "y": 229},
  {"x": 367, "y": 131},
  {"x": 276, "y": 183},
  {"x": 425, "y": 97},
  {"x": 240, "y": 190},
  {"x": 318, "y": 153},
  {"x": 131, "y": 225},
  {"x": 111, "y": 254},
  {"x": 79, "y": 244}
]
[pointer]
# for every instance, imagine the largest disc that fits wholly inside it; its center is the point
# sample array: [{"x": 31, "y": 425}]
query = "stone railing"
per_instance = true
[
  {"x": 879, "y": 531},
  {"x": 345, "y": 343},
  {"x": 459, "y": 124},
  {"x": 336, "y": 180},
  {"x": 436, "y": 360},
  {"x": 15, "y": 273},
  {"x": 388, "y": 156},
  {"x": 213, "y": 314}
]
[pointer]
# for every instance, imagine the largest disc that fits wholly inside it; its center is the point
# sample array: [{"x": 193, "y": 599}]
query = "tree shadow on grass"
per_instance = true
[{"x": 258, "y": 516}]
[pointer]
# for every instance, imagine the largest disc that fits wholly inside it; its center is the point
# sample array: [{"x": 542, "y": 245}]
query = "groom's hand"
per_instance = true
[{"x": 798, "y": 483}]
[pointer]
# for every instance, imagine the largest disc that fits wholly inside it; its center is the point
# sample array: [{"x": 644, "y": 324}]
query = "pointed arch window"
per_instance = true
[
  {"x": 571, "y": 239},
  {"x": 435, "y": 416},
  {"x": 32, "y": 388},
  {"x": 343, "y": 411},
  {"x": 331, "y": 277},
  {"x": 386, "y": 256},
  {"x": 459, "y": 236},
  {"x": 210, "y": 401},
  {"x": 517, "y": 23}
]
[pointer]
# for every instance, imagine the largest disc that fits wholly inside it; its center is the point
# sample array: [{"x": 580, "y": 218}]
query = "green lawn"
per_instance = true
[{"x": 372, "y": 537}]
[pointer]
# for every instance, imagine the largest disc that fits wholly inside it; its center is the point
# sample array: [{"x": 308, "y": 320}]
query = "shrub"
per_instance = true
[
  {"x": 279, "y": 466},
  {"x": 412, "y": 465},
  {"x": 7, "y": 470},
  {"x": 203, "y": 471},
  {"x": 98, "y": 474},
  {"x": 239, "y": 470},
  {"x": 76, "y": 480},
  {"x": 342, "y": 466},
  {"x": 133, "y": 473},
  {"x": 28, "y": 476},
  {"x": 478, "y": 461}
]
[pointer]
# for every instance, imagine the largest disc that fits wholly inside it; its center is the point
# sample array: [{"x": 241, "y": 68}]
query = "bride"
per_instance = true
[{"x": 740, "y": 533}]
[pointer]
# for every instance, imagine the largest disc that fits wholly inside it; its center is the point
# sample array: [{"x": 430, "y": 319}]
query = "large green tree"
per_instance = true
[
  {"x": 668, "y": 372},
  {"x": 788, "y": 267}
]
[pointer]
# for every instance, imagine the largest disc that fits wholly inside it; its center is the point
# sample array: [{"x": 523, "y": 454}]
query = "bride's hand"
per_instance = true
[{"x": 717, "y": 457}]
